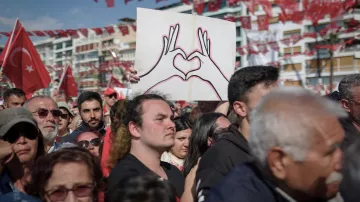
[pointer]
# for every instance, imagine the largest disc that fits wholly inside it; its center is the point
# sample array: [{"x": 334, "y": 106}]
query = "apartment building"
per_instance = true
[
  {"x": 224, "y": 10},
  {"x": 302, "y": 69}
]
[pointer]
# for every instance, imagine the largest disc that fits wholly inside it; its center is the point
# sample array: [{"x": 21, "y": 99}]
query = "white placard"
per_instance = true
[{"x": 184, "y": 56}]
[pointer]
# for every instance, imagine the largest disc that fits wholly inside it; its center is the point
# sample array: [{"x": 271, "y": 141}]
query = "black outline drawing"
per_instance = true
[{"x": 169, "y": 54}]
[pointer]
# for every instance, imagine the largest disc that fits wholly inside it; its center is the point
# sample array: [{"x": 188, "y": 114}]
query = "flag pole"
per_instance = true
[
  {"x": 108, "y": 85},
  {"x": 11, "y": 39},
  {"x": 62, "y": 76}
]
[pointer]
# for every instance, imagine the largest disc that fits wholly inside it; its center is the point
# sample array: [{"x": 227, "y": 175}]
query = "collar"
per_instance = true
[{"x": 100, "y": 129}]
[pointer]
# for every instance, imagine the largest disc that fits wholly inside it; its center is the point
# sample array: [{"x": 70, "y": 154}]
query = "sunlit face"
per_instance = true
[
  {"x": 257, "y": 93},
  {"x": 48, "y": 125},
  {"x": 91, "y": 113},
  {"x": 90, "y": 137},
  {"x": 319, "y": 175},
  {"x": 110, "y": 99},
  {"x": 180, "y": 148},
  {"x": 14, "y": 101},
  {"x": 158, "y": 129},
  {"x": 67, "y": 176}
]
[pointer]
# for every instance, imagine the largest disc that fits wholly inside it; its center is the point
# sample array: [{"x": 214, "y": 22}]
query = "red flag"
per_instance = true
[
  {"x": 186, "y": 2},
  {"x": 39, "y": 33},
  {"x": 84, "y": 32},
  {"x": 68, "y": 84},
  {"x": 199, "y": 6},
  {"x": 134, "y": 27},
  {"x": 73, "y": 33},
  {"x": 110, "y": 3},
  {"x": 29, "y": 34},
  {"x": 50, "y": 33},
  {"x": 127, "y": 1},
  {"x": 262, "y": 48},
  {"x": 274, "y": 45},
  {"x": 23, "y": 65},
  {"x": 250, "y": 4},
  {"x": 98, "y": 31},
  {"x": 214, "y": 5},
  {"x": 6, "y": 33},
  {"x": 124, "y": 29},
  {"x": 263, "y": 22},
  {"x": 110, "y": 29},
  {"x": 267, "y": 7},
  {"x": 61, "y": 33},
  {"x": 245, "y": 22},
  {"x": 241, "y": 51},
  {"x": 230, "y": 18},
  {"x": 114, "y": 82},
  {"x": 309, "y": 35}
]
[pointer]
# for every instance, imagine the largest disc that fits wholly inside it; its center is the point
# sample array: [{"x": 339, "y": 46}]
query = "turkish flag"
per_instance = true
[
  {"x": 124, "y": 29},
  {"x": 245, "y": 22},
  {"x": 110, "y": 29},
  {"x": 263, "y": 22},
  {"x": 23, "y": 66},
  {"x": 114, "y": 82},
  {"x": 214, "y": 5},
  {"x": 68, "y": 84},
  {"x": 199, "y": 6}
]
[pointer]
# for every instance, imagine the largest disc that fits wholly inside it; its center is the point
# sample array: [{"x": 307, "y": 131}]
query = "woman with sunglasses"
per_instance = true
[
  {"x": 21, "y": 144},
  {"x": 70, "y": 174},
  {"x": 90, "y": 140}
]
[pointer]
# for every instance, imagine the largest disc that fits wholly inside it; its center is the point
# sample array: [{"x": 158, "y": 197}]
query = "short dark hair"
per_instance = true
[
  {"x": 244, "y": 79},
  {"x": 182, "y": 123},
  {"x": 134, "y": 108},
  {"x": 88, "y": 96},
  {"x": 147, "y": 187},
  {"x": 13, "y": 91},
  {"x": 347, "y": 84},
  {"x": 43, "y": 169}
]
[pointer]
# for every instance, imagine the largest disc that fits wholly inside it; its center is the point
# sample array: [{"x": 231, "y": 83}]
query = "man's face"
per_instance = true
[
  {"x": 158, "y": 129},
  {"x": 91, "y": 113},
  {"x": 354, "y": 105},
  {"x": 257, "y": 93},
  {"x": 64, "y": 120},
  {"x": 14, "y": 101},
  {"x": 318, "y": 176},
  {"x": 110, "y": 99},
  {"x": 48, "y": 124}
]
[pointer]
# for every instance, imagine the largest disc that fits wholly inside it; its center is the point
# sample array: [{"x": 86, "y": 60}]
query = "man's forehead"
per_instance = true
[
  {"x": 13, "y": 96},
  {"x": 90, "y": 104},
  {"x": 42, "y": 102},
  {"x": 156, "y": 107}
]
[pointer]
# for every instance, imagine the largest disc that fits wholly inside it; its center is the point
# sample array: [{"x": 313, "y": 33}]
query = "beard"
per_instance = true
[{"x": 49, "y": 137}]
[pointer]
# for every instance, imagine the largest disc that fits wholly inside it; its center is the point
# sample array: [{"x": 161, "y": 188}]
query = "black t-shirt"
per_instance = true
[{"x": 130, "y": 166}]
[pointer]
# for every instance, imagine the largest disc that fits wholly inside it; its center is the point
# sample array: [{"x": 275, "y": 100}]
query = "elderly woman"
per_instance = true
[{"x": 69, "y": 174}]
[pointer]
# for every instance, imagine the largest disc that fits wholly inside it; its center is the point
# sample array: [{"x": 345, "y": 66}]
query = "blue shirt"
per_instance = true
[
  {"x": 8, "y": 191},
  {"x": 6, "y": 185}
]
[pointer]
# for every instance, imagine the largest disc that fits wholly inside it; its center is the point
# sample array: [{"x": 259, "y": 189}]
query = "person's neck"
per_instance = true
[
  {"x": 148, "y": 156},
  {"x": 63, "y": 132},
  {"x": 244, "y": 128}
]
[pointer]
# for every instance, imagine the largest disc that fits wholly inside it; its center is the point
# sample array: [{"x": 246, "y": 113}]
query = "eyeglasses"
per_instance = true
[
  {"x": 85, "y": 144},
  {"x": 43, "y": 113},
  {"x": 23, "y": 129},
  {"x": 64, "y": 116},
  {"x": 61, "y": 193}
]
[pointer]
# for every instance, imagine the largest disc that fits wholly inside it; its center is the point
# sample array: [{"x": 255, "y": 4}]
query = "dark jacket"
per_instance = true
[
  {"x": 230, "y": 150},
  {"x": 130, "y": 166},
  {"x": 245, "y": 183},
  {"x": 351, "y": 133},
  {"x": 82, "y": 128}
]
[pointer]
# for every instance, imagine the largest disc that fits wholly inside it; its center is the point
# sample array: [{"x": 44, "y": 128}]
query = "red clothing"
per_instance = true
[{"x": 106, "y": 152}]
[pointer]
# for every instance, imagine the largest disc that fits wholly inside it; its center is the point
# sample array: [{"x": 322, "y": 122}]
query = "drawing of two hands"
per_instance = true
[{"x": 165, "y": 68}]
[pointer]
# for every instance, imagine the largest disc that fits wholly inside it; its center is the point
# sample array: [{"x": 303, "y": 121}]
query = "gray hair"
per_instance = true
[
  {"x": 347, "y": 84},
  {"x": 285, "y": 118},
  {"x": 26, "y": 104}
]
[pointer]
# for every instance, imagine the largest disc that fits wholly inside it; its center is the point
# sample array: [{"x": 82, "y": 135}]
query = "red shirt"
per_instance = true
[{"x": 106, "y": 152}]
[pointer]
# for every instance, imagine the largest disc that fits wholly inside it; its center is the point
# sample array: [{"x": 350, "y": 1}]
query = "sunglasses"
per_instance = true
[
  {"x": 61, "y": 193},
  {"x": 22, "y": 129},
  {"x": 112, "y": 96},
  {"x": 64, "y": 116},
  {"x": 43, "y": 113},
  {"x": 85, "y": 144}
]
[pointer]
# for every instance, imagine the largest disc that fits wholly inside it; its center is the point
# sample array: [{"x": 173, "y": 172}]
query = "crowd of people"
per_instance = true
[{"x": 266, "y": 143}]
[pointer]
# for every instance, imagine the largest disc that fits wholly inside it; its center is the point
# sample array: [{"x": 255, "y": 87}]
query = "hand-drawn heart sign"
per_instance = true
[{"x": 174, "y": 64}]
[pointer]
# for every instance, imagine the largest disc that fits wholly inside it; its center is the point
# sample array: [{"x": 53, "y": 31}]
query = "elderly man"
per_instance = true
[
  {"x": 295, "y": 139},
  {"x": 46, "y": 114},
  {"x": 349, "y": 90}
]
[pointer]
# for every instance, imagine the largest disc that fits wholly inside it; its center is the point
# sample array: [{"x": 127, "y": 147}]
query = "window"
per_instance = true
[
  {"x": 59, "y": 46},
  {"x": 292, "y": 50},
  {"x": 238, "y": 44},
  {"x": 292, "y": 67},
  {"x": 58, "y": 55},
  {"x": 292, "y": 83},
  {"x": 238, "y": 31},
  {"x": 68, "y": 44},
  {"x": 187, "y": 12},
  {"x": 289, "y": 33}
]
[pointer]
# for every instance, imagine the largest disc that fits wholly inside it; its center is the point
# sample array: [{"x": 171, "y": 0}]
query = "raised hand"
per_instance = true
[
  {"x": 164, "y": 68},
  {"x": 6, "y": 153},
  {"x": 208, "y": 70}
]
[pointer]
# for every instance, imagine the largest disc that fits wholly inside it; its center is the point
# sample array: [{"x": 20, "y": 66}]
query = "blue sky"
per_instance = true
[{"x": 67, "y": 14}]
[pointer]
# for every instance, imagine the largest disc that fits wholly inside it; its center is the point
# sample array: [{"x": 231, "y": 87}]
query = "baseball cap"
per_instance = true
[
  {"x": 10, "y": 117},
  {"x": 110, "y": 91},
  {"x": 65, "y": 106}
]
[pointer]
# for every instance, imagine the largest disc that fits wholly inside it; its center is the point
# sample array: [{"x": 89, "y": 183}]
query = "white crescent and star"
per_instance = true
[{"x": 20, "y": 49}]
